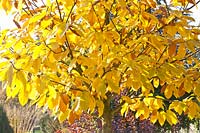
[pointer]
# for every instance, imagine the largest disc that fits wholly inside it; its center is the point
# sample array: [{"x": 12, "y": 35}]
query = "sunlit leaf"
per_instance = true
[{"x": 171, "y": 117}]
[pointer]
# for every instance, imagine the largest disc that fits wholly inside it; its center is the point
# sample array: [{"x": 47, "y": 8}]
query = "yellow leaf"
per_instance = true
[
  {"x": 156, "y": 82},
  {"x": 148, "y": 101},
  {"x": 124, "y": 109},
  {"x": 33, "y": 94},
  {"x": 157, "y": 104},
  {"x": 168, "y": 91},
  {"x": 178, "y": 107},
  {"x": 7, "y": 5},
  {"x": 9, "y": 75},
  {"x": 172, "y": 49},
  {"x": 72, "y": 117},
  {"x": 37, "y": 17},
  {"x": 23, "y": 97},
  {"x": 99, "y": 85},
  {"x": 62, "y": 105},
  {"x": 139, "y": 113},
  {"x": 20, "y": 76},
  {"x": 77, "y": 30},
  {"x": 63, "y": 116},
  {"x": 188, "y": 85},
  {"x": 151, "y": 3},
  {"x": 191, "y": 45},
  {"x": 16, "y": 86},
  {"x": 146, "y": 113},
  {"x": 36, "y": 65},
  {"x": 197, "y": 90},
  {"x": 42, "y": 100},
  {"x": 113, "y": 86},
  {"x": 171, "y": 117},
  {"x": 127, "y": 99},
  {"x": 193, "y": 109},
  {"x": 161, "y": 117},
  {"x": 136, "y": 85},
  {"x": 154, "y": 116},
  {"x": 3, "y": 74},
  {"x": 100, "y": 106},
  {"x": 181, "y": 51},
  {"x": 171, "y": 30},
  {"x": 92, "y": 17},
  {"x": 92, "y": 104}
]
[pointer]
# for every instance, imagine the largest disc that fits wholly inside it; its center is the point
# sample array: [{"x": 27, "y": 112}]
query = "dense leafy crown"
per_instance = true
[{"x": 70, "y": 56}]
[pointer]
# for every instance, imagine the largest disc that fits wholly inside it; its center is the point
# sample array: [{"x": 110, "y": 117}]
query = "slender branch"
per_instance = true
[
  {"x": 14, "y": 66},
  {"x": 51, "y": 49},
  {"x": 193, "y": 5},
  {"x": 59, "y": 10},
  {"x": 68, "y": 46},
  {"x": 162, "y": 54},
  {"x": 188, "y": 56},
  {"x": 121, "y": 75},
  {"x": 107, "y": 13},
  {"x": 26, "y": 11},
  {"x": 117, "y": 109},
  {"x": 97, "y": 18},
  {"x": 71, "y": 88},
  {"x": 33, "y": 2},
  {"x": 167, "y": 7},
  {"x": 28, "y": 8},
  {"x": 43, "y": 3},
  {"x": 70, "y": 11},
  {"x": 115, "y": 26},
  {"x": 30, "y": 5}
]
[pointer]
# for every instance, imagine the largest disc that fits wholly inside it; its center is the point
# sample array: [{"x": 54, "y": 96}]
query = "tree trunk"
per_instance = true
[
  {"x": 107, "y": 117},
  {"x": 107, "y": 124}
]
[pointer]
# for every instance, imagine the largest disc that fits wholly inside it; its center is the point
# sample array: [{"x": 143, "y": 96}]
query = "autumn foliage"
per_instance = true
[{"x": 75, "y": 56}]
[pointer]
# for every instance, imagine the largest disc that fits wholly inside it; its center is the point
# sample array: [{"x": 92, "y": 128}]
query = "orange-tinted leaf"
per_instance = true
[{"x": 172, "y": 49}]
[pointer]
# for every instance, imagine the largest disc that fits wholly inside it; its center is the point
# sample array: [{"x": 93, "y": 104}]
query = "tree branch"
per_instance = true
[
  {"x": 162, "y": 54},
  {"x": 68, "y": 46},
  {"x": 193, "y": 5},
  {"x": 27, "y": 8},
  {"x": 14, "y": 66},
  {"x": 71, "y": 88},
  {"x": 70, "y": 11},
  {"x": 59, "y": 10},
  {"x": 97, "y": 17},
  {"x": 51, "y": 49}
]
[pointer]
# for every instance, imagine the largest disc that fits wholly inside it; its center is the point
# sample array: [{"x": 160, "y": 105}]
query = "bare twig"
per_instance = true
[
  {"x": 97, "y": 18},
  {"x": 14, "y": 66},
  {"x": 71, "y": 88},
  {"x": 33, "y": 2},
  {"x": 167, "y": 7},
  {"x": 162, "y": 54},
  {"x": 43, "y": 3},
  {"x": 193, "y": 5},
  {"x": 70, "y": 11},
  {"x": 51, "y": 49},
  {"x": 68, "y": 46},
  {"x": 26, "y": 11},
  {"x": 27, "y": 6},
  {"x": 59, "y": 10}
]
